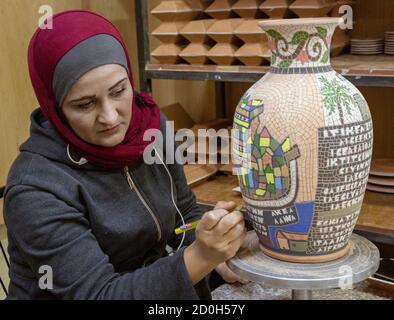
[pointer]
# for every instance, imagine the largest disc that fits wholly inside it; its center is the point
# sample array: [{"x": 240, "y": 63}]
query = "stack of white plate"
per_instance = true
[
  {"x": 381, "y": 176},
  {"x": 389, "y": 43},
  {"x": 367, "y": 46}
]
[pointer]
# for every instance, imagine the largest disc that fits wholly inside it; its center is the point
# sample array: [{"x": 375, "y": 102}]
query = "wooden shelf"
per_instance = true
[
  {"x": 364, "y": 65},
  {"x": 377, "y": 213},
  {"x": 205, "y": 72},
  {"x": 376, "y": 70}
]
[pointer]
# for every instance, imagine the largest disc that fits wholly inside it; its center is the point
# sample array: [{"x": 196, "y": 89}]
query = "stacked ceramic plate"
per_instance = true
[
  {"x": 381, "y": 177},
  {"x": 389, "y": 43},
  {"x": 367, "y": 46}
]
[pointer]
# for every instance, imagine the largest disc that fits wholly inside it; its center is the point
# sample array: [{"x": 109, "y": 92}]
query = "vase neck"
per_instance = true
[{"x": 300, "y": 46}]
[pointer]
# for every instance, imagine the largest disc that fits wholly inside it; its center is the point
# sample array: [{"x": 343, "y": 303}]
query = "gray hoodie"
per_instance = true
[{"x": 102, "y": 235}]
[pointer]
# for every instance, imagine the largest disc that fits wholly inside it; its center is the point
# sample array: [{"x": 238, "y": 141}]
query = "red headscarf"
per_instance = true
[{"x": 46, "y": 48}]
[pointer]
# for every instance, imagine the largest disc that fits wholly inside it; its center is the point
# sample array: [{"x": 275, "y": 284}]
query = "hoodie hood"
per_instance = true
[{"x": 46, "y": 141}]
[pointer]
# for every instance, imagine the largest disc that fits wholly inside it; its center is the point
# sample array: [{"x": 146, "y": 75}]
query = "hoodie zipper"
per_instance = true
[{"x": 134, "y": 187}]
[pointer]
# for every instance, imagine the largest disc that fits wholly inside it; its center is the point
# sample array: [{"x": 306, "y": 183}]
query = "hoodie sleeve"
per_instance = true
[{"x": 47, "y": 231}]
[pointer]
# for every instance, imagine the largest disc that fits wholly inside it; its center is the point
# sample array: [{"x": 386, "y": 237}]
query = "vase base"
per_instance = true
[{"x": 307, "y": 259}]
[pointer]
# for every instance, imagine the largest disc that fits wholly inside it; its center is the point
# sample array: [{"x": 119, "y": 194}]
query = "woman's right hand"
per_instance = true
[{"x": 219, "y": 235}]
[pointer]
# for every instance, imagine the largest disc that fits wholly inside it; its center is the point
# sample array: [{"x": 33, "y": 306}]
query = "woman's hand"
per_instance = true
[
  {"x": 219, "y": 235},
  {"x": 228, "y": 275}
]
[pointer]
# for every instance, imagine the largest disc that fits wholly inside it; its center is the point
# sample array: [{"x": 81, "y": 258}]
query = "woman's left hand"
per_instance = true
[{"x": 228, "y": 275}]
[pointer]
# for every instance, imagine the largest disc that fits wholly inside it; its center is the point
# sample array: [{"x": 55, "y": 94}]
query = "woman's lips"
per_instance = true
[{"x": 111, "y": 130}]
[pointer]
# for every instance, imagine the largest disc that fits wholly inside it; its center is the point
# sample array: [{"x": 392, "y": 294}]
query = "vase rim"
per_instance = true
[{"x": 300, "y": 21}]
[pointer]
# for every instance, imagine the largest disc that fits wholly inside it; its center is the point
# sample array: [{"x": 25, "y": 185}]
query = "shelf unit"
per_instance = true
[
  {"x": 364, "y": 75},
  {"x": 373, "y": 71},
  {"x": 363, "y": 71}
]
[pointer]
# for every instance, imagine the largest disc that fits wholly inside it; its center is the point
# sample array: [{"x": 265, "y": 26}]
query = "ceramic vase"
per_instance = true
[{"x": 302, "y": 146}]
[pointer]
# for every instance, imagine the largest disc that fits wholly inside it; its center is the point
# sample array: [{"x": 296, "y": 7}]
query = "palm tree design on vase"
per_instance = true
[{"x": 336, "y": 96}]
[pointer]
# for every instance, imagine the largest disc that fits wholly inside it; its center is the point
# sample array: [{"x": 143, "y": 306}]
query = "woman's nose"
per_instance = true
[{"x": 108, "y": 114}]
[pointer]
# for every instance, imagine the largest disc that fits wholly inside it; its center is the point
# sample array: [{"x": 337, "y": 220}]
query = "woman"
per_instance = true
[{"x": 79, "y": 199}]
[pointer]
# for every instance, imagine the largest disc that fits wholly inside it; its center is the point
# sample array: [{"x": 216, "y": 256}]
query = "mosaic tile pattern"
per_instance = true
[
  {"x": 300, "y": 46},
  {"x": 302, "y": 70},
  {"x": 302, "y": 149}
]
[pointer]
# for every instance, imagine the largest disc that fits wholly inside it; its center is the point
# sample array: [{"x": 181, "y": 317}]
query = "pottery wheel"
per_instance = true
[{"x": 360, "y": 263}]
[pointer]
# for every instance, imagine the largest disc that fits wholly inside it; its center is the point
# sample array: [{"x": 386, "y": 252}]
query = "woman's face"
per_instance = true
[{"x": 100, "y": 100}]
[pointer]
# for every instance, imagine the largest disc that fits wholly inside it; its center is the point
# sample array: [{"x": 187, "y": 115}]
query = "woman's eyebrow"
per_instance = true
[
  {"x": 83, "y": 98},
  {"x": 94, "y": 96},
  {"x": 115, "y": 85}
]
